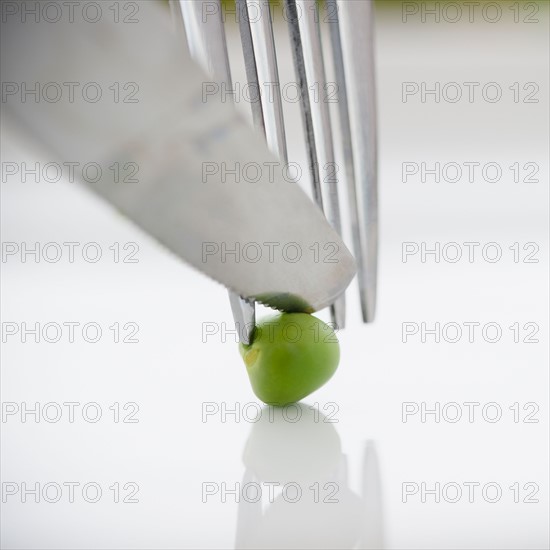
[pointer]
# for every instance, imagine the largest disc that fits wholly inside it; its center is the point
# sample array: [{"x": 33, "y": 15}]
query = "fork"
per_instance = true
[{"x": 351, "y": 28}]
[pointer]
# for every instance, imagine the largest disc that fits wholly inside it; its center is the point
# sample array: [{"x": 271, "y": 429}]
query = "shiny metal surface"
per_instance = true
[
  {"x": 301, "y": 78},
  {"x": 358, "y": 55},
  {"x": 182, "y": 199},
  {"x": 207, "y": 43},
  {"x": 206, "y": 37},
  {"x": 261, "y": 28},
  {"x": 251, "y": 66},
  {"x": 359, "y": 224},
  {"x": 308, "y": 22}
]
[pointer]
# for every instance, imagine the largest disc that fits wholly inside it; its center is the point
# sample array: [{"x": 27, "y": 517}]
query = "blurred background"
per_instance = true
[{"x": 180, "y": 430}]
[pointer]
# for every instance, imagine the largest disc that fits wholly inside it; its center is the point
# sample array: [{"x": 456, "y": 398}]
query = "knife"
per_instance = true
[{"x": 131, "y": 94}]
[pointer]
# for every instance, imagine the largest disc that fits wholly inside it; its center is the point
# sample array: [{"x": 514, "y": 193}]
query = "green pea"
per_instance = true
[{"x": 291, "y": 356}]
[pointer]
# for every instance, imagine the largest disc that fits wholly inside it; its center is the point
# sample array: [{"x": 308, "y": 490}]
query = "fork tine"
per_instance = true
[
  {"x": 331, "y": 8},
  {"x": 261, "y": 28},
  {"x": 299, "y": 66},
  {"x": 360, "y": 73},
  {"x": 208, "y": 46},
  {"x": 312, "y": 50},
  {"x": 206, "y": 38},
  {"x": 250, "y": 65}
]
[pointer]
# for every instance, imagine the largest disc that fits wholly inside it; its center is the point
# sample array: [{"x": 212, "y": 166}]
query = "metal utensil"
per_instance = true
[
  {"x": 352, "y": 45},
  {"x": 179, "y": 141}
]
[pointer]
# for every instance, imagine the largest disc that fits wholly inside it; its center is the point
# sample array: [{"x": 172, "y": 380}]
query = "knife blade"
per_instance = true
[{"x": 208, "y": 189}]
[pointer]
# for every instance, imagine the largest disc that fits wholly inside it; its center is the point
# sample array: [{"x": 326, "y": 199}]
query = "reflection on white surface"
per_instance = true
[{"x": 315, "y": 507}]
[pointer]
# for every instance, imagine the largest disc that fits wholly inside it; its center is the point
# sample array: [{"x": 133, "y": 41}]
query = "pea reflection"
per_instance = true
[{"x": 306, "y": 499}]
